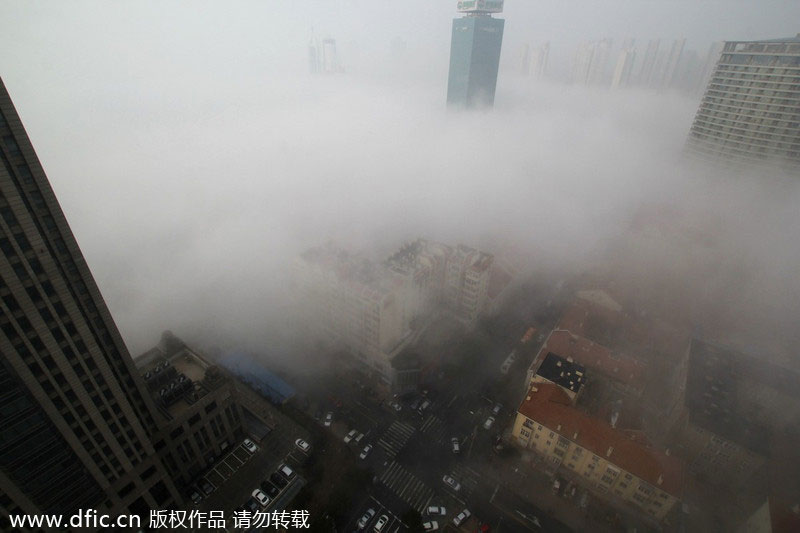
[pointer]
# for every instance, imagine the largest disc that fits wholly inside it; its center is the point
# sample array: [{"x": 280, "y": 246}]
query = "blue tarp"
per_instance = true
[{"x": 250, "y": 371}]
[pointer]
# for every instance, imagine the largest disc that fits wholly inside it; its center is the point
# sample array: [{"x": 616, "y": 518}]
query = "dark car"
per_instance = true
[
  {"x": 270, "y": 489},
  {"x": 278, "y": 480},
  {"x": 206, "y": 487},
  {"x": 252, "y": 505}
]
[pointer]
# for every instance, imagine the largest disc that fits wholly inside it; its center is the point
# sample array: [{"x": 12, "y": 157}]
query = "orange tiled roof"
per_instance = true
[
  {"x": 592, "y": 355},
  {"x": 550, "y": 406}
]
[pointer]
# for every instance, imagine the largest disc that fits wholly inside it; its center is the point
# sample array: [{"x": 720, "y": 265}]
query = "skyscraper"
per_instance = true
[
  {"x": 624, "y": 66},
  {"x": 77, "y": 422},
  {"x": 475, "y": 54},
  {"x": 751, "y": 106}
]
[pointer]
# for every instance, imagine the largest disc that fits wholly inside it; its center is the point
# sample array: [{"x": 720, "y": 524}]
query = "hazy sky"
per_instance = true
[{"x": 194, "y": 155}]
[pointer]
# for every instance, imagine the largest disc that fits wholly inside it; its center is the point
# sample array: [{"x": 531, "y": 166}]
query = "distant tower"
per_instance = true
[
  {"x": 624, "y": 66},
  {"x": 475, "y": 54},
  {"x": 750, "y": 111},
  {"x": 538, "y": 63},
  {"x": 648, "y": 63},
  {"x": 313, "y": 56},
  {"x": 525, "y": 60},
  {"x": 330, "y": 62}
]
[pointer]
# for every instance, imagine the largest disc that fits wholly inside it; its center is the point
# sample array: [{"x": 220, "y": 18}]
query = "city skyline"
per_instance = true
[{"x": 412, "y": 272}]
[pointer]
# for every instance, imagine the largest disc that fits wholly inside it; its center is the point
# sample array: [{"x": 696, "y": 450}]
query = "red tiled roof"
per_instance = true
[
  {"x": 592, "y": 355},
  {"x": 550, "y": 406}
]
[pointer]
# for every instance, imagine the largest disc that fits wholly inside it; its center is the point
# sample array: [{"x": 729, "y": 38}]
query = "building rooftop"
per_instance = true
[
  {"x": 176, "y": 376},
  {"x": 715, "y": 396},
  {"x": 562, "y": 372},
  {"x": 589, "y": 354},
  {"x": 550, "y": 406}
]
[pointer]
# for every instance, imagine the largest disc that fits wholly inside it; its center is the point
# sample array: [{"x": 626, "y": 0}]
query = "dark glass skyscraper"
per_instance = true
[
  {"x": 475, "y": 54},
  {"x": 75, "y": 418}
]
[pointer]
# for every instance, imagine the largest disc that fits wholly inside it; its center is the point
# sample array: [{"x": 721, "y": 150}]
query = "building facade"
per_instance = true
[
  {"x": 615, "y": 463},
  {"x": 475, "y": 54},
  {"x": 750, "y": 110},
  {"x": 78, "y": 422},
  {"x": 199, "y": 413}
]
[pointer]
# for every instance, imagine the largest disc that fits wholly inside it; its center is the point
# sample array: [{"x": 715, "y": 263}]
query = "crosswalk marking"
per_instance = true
[
  {"x": 407, "y": 486},
  {"x": 433, "y": 427},
  {"x": 396, "y": 437}
]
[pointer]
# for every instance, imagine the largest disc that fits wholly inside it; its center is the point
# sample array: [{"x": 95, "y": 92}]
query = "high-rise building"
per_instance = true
[
  {"x": 590, "y": 63},
  {"x": 645, "y": 75},
  {"x": 539, "y": 58},
  {"x": 750, "y": 110},
  {"x": 77, "y": 420},
  {"x": 624, "y": 67},
  {"x": 313, "y": 57},
  {"x": 475, "y": 54},
  {"x": 330, "y": 61}
]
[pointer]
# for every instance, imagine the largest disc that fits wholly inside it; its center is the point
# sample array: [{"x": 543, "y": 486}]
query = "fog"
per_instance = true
[{"x": 195, "y": 157}]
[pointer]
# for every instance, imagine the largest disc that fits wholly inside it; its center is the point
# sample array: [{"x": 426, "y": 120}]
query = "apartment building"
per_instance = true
[
  {"x": 466, "y": 282},
  {"x": 199, "y": 417},
  {"x": 749, "y": 113},
  {"x": 354, "y": 303},
  {"x": 729, "y": 407},
  {"x": 618, "y": 464}
]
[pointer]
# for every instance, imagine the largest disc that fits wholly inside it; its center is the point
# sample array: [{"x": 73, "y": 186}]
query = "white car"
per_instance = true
[
  {"x": 395, "y": 405},
  {"x": 250, "y": 445},
  {"x": 365, "y": 518},
  {"x": 433, "y": 525},
  {"x": 328, "y": 419},
  {"x": 497, "y": 408},
  {"x": 302, "y": 445},
  {"x": 260, "y": 497},
  {"x": 350, "y": 436},
  {"x": 452, "y": 483},
  {"x": 488, "y": 423},
  {"x": 437, "y": 509},
  {"x": 286, "y": 471},
  {"x": 365, "y": 452},
  {"x": 382, "y": 521},
  {"x": 462, "y": 517},
  {"x": 456, "y": 446}
]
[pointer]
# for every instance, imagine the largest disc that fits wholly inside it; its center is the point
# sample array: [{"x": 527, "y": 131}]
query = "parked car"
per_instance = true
[
  {"x": 365, "y": 452},
  {"x": 461, "y": 517},
  {"x": 358, "y": 438},
  {"x": 452, "y": 483},
  {"x": 350, "y": 436},
  {"x": 251, "y": 505},
  {"x": 382, "y": 521},
  {"x": 260, "y": 497},
  {"x": 250, "y": 445},
  {"x": 365, "y": 518},
  {"x": 425, "y": 404},
  {"x": 328, "y": 419},
  {"x": 433, "y": 525},
  {"x": 286, "y": 471},
  {"x": 302, "y": 445},
  {"x": 206, "y": 487},
  {"x": 415, "y": 403},
  {"x": 395, "y": 405},
  {"x": 195, "y": 497},
  {"x": 436, "y": 510},
  {"x": 496, "y": 409},
  {"x": 456, "y": 446},
  {"x": 278, "y": 480},
  {"x": 488, "y": 423},
  {"x": 271, "y": 490}
]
